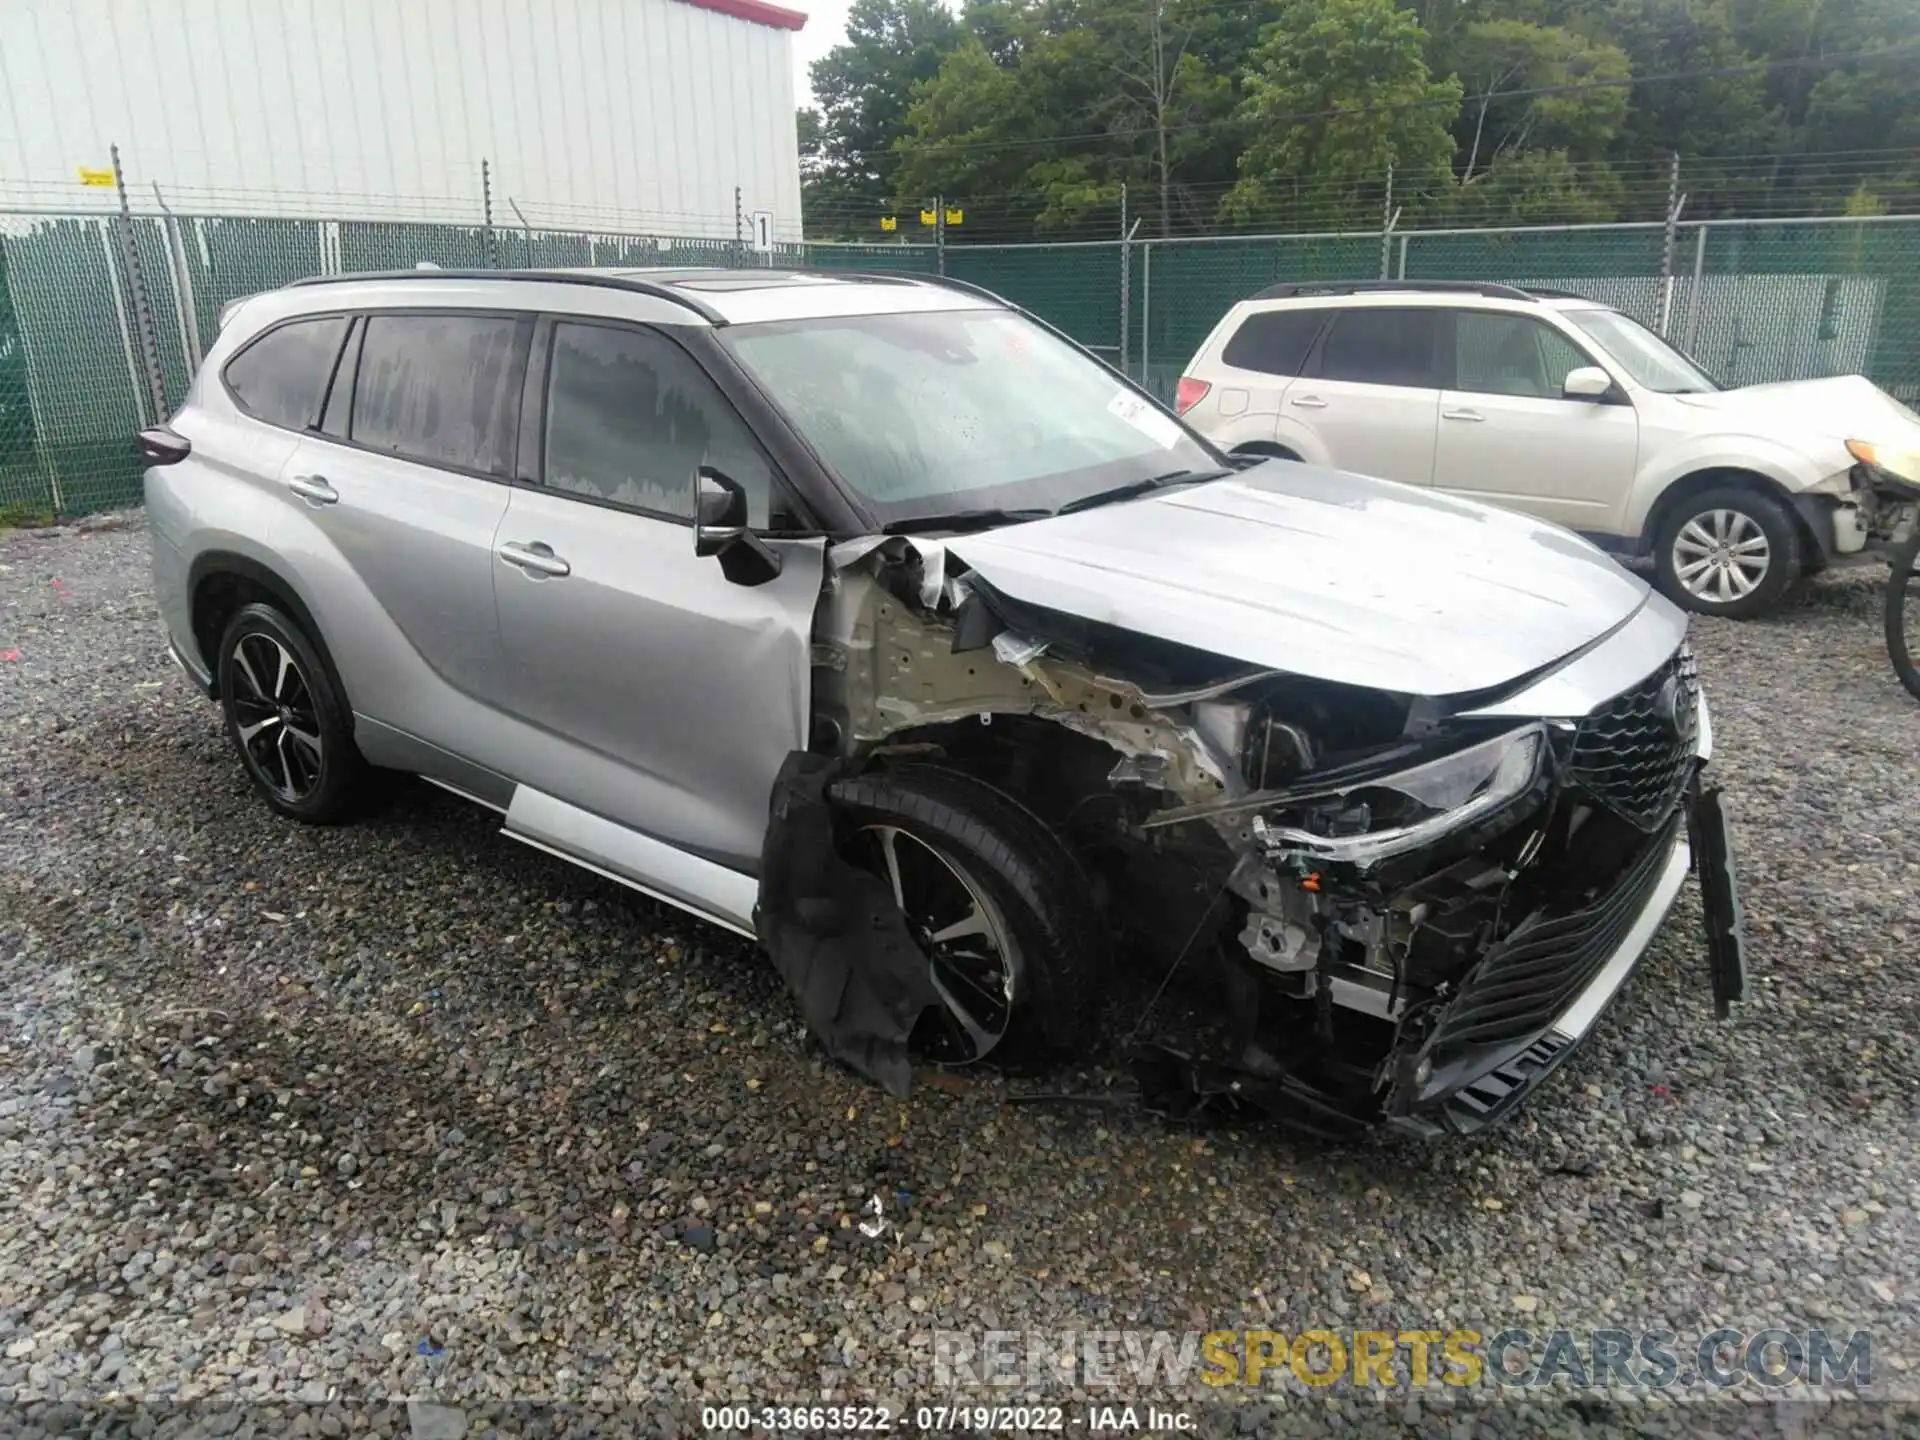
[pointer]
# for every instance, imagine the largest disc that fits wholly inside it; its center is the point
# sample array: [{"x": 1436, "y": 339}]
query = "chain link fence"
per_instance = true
[{"x": 1753, "y": 301}]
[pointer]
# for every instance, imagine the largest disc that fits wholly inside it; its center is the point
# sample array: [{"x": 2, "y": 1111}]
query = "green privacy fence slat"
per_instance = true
[
  {"x": 909, "y": 259},
  {"x": 85, "y": 396},
  {"x": 1757, "y": 301},
  {"x": 1075, "y": 287},
  {"x": 229, "y": 258},
  {"x": 1189, "y": 285},
  {"x": 23, "y": 482}
]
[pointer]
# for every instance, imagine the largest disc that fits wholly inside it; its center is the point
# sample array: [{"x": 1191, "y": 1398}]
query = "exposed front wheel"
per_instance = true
[
  {"x": 1728, "y": 552},
  {"x": 286, "y": 720},
  {"x": 996, "y": 903}
]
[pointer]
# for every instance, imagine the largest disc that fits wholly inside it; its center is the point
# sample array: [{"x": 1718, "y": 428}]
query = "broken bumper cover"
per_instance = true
[{"x": 1576, "y": 963}]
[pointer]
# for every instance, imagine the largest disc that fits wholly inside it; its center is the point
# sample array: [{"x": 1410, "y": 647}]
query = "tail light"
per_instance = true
[{"x": 1190, "y": 393}]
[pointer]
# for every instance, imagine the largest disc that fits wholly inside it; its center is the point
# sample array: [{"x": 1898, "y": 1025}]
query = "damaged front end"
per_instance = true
[{"x": 1413, "y": 907}]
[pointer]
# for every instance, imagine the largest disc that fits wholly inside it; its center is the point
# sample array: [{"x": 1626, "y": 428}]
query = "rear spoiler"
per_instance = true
[{"x": 227, "y": 311}]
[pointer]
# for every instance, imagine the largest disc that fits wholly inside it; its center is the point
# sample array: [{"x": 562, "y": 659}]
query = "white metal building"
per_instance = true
[{"x": 634, "y": 115}]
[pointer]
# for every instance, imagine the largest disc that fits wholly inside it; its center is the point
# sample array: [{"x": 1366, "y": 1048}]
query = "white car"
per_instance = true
[{"x": 1568, "y": 410}]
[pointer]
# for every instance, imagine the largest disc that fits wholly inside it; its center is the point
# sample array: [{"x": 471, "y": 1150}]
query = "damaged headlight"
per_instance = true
[{"x": 1377, "y": 818}]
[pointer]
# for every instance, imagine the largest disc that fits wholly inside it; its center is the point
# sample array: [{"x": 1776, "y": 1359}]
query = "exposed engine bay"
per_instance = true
[{"x": 1386, "y": 897}]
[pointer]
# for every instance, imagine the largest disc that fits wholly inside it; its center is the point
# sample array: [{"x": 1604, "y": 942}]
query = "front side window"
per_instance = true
[
  {"x": 1651, "y": 361},
  {"x": 281, "y": 377},
  {"x": 950, "y": 411},
  {"x": 631, "y": 417},
  {"x": 1382, "y": 347},
  {"x": 443, "y": 389},
  {"x": 1501, "y": 354}
]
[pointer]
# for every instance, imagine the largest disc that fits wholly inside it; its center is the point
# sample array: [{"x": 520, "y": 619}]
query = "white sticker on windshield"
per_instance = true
[{"x": 1147, "y": 418}]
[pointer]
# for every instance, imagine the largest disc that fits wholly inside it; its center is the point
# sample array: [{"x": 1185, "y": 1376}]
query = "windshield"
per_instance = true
[
  {"x": 1651, "y": 361},
  {"x": 945, "y": 412}
]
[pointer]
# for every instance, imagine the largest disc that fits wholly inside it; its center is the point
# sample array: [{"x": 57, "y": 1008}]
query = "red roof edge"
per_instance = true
[{"x": 757, "y": 11}]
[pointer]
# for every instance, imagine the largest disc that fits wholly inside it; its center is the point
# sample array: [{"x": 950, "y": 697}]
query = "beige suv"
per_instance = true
[{"x": 1570, "y": 411}]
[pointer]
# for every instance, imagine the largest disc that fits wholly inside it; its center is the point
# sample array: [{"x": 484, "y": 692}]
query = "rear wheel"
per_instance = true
[
  {"x": 997, "y": 904},
  {"x": 1903, "y": 613},
  {"x": 287, "y": 722},
  {"x": 1728, "y": 552}
]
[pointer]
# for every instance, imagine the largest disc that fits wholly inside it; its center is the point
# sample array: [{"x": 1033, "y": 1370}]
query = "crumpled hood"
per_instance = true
[
  {"x": 1840, "y": 408},
  {"x": 1322, "y": 573}
]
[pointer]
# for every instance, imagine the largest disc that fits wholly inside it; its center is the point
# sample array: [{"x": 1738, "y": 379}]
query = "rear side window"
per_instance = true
[
  {"x": 630, "y": 418},
  {"x": 444, "y": 389},
  {"x": 281, "y": 377},
  {"x": 1383, "y": 347},
  {"x": 1274, "y": 342}
]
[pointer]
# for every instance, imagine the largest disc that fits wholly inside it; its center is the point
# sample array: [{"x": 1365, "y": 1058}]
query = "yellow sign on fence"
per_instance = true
[
  {"x": 928, "y": 217},
  {"x": 89, "y": 176},
  {"x": 955, "y": 215},
  {"x": 889, "y": 222}
]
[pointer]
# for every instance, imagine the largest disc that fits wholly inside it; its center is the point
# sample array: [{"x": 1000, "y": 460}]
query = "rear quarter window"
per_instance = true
[
  {"x": 282, "y": 376},
  {"x": 1273, "y": 342}
]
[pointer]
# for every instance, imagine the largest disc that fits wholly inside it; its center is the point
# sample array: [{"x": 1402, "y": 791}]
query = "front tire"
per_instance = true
[
  {"x": 290, "y": 726},
  {"x": 1728, "y": 552},
  {"x": 998, "y": 905},
  {"x": 1903, "y": 613}
]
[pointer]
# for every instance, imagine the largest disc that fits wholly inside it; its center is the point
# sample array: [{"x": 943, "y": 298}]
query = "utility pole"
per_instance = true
[
  {"x": 1126, "y": 283},
  {"x": 1674, "y": 201},
  {"x": 142, "y": 309},
  {"x": 1386, "y": 230},
  {"x": 486, "y": 212}
]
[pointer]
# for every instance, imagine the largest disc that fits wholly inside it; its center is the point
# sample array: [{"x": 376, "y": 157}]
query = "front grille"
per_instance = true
[
  {"x": 1526, "y": 979},
  {"x": 1634, "y": 753}
]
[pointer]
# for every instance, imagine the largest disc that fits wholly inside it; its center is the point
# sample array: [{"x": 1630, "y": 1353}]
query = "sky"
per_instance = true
[{"x": 826, "y": 27}]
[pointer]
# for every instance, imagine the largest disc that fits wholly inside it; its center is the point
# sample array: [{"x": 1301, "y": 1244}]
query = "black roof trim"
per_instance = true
[
  {"x": 1487, "y": 288},
  {"x": 551, "y": 277}
]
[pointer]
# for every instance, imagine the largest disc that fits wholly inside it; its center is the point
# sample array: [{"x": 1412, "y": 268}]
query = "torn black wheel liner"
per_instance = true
[{"x": 836, "y": 935}]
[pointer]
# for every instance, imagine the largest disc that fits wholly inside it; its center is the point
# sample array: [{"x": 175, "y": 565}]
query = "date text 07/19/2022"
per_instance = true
[{"x": 943, "y": 1419}]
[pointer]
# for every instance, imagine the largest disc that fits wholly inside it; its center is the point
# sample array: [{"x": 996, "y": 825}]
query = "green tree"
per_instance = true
[
  {"x": 1537, "y": 187},
  {"x": 1337, "y": 91},
  {"x": 863, "y": 88},
  {"x": 1505, "y": 66},
  {"x": 1064, "y": 102},
  {"x": 1711, "y": 111},
  {"x": 963, "y": 128}
]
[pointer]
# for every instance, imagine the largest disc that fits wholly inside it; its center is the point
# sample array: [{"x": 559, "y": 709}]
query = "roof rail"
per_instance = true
[
  {"x": 1542, "y": 293},
  {"x": 552, "y": 277},
  {"x": 1364, "y": 287}
]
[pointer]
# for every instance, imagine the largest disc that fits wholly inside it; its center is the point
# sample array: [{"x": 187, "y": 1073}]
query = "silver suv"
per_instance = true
[{"x": 871, "y": 618}]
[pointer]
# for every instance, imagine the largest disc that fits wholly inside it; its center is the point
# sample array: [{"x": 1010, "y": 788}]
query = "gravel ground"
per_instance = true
[{"x": 338, "y": 1117}]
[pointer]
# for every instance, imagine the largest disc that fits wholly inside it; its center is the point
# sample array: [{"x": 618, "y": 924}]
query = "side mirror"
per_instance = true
[
  {"x": 719, "y": 511},
  {"x": 720, "y": 529},
  {"x": 1588, "y": 382}
]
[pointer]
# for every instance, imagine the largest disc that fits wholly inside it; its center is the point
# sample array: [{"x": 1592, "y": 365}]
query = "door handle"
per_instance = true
[
  {"x": 314, "y": 489},
  {"x": 1473, "y": 415},
  {"x": 1308, "y": 402},
  {"x": 536, "y": 559}
]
